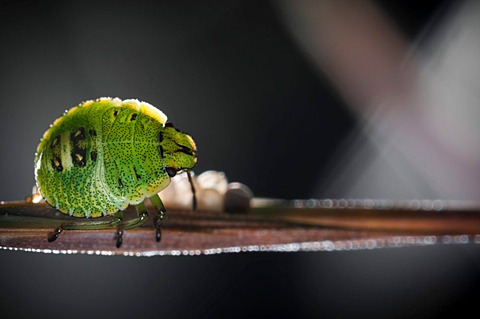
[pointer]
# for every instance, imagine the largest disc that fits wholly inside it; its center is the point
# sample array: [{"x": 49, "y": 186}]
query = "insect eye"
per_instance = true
[{"x": 171, "y": 171}]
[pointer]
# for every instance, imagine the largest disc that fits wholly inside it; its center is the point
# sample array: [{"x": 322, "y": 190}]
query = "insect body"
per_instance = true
[{"x": 104, "y": 155}]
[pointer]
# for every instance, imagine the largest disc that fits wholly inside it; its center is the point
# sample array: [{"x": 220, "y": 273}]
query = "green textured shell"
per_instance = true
[{"x": 102, "y": 156}]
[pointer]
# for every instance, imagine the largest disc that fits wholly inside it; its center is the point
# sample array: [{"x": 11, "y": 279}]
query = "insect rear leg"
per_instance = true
[
  {"x": 86, "y": 225},
  {"x": 161, "y": 214},
  {"x": 116, "y": 222}
]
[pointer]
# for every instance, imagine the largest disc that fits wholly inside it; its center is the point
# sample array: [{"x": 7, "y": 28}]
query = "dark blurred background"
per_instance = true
[
  {"x": 227, "y": 73},
  {"x": 233, "y": 75}
]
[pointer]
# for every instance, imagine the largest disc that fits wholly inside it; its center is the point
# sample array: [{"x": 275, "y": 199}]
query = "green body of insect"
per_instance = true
[{"x": 104, "y": 155}]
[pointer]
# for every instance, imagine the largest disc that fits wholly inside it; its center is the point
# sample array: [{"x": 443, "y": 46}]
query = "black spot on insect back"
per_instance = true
[
  {"x": 79, "y": 160},
  {"x": 79, "y": 133},
  {"x": 56, "y": 151},
  {"x": 57, "y": 164},
  {"x": 78, "y": 147}
]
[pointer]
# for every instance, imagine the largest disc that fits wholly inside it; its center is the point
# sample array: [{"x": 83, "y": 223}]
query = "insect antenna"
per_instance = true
[{"x": 194, "y": 199}]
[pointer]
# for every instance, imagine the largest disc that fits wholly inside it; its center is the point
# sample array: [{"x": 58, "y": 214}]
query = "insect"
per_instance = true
[{"x": 103, "y": 155}]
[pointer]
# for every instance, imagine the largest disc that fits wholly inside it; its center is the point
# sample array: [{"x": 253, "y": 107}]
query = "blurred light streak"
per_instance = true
[{"x": 417, "y": 103}]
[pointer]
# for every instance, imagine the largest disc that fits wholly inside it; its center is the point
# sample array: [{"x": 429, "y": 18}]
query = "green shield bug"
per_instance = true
[{"x": 103, "y": 155}]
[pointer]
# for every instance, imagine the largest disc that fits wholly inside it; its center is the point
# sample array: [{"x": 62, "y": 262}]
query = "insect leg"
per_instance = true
[
  {"x": 88, "y": 225},
  {"x": 119, "y": 233},
  {"x": 161, "y": 213},
  {"x": 132, "y": 223}
]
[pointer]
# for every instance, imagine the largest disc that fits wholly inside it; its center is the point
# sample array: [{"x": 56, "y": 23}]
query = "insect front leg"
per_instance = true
[
  {"x": 142, "y": 217},
  {"x": 119, "y": 234},
  {"x": 161, "y": 213}
]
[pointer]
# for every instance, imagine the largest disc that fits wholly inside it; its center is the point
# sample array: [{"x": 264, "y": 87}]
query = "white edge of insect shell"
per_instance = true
[
  {"x": 145, "y": 107},
  {"x": 37, "y": 167}
]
